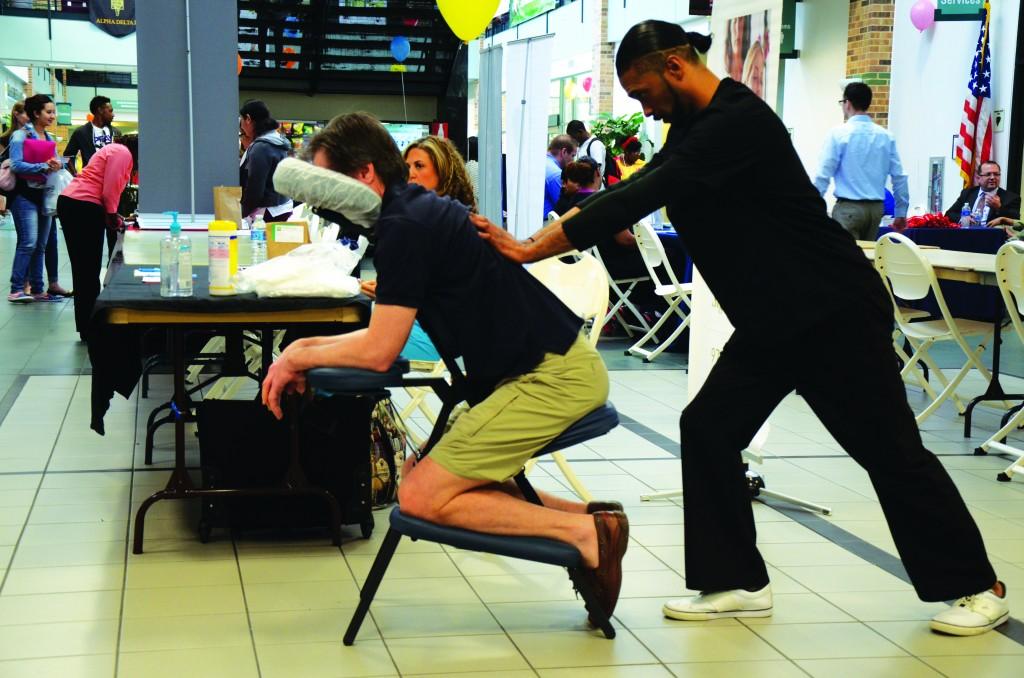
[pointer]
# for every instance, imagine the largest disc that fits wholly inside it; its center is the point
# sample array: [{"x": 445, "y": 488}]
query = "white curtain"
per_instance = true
[
  {"x": 528, "y": 70},
  {"x": 489, "y": 135}
]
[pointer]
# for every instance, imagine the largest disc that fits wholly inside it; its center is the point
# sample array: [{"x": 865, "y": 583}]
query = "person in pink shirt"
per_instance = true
[{"x": 87, "y": 208}]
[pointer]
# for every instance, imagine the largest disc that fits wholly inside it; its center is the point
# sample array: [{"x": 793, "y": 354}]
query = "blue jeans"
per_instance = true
[{"x": 33, "y": 232}]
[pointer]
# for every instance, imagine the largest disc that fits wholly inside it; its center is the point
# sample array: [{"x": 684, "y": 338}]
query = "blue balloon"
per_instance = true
[{"x": 400, "y": 48}]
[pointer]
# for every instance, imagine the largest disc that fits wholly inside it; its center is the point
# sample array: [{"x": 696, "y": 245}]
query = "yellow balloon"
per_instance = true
[{"x": 468, "y": 18}]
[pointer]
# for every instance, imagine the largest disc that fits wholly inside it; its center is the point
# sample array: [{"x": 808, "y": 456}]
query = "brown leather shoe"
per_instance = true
[
  {"x": 595, "y": 506},
  {"x": 612, "y": 540}
]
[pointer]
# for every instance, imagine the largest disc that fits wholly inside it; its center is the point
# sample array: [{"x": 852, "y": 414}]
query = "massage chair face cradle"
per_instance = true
[{"x": 331, "y": 195}]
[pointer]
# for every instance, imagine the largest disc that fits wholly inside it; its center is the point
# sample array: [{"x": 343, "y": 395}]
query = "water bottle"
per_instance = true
[
  {"x": 965, "y": 215},
  {"x": 258, "y": 241}
]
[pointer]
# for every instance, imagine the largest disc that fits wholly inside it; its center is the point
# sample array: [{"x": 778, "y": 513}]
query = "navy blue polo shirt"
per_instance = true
[{"x": 472, "y": 302}]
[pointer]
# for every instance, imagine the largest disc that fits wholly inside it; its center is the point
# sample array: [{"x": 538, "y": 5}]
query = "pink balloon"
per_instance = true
[
  {"x": 587, "y": 83},
  {"x": 922, "y": 15}
]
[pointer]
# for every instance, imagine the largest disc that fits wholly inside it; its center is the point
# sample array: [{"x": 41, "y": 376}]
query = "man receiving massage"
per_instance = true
[{"x": 529, "y": 373}]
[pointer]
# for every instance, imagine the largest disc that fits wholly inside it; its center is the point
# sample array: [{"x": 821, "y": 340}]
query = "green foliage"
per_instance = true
[{"x": 613, "y": 131}]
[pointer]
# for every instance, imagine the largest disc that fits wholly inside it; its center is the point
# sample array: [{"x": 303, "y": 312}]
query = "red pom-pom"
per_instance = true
[{"x": 937, "y": 220}]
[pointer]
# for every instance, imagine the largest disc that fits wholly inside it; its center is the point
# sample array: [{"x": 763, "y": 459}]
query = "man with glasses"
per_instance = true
[
  {"x": 860, "y": 154},
  {"x": 986, "y": 199}
]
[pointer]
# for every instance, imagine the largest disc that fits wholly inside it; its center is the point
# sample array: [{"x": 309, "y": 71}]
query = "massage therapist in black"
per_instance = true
[{"x": 726, "y": 146}]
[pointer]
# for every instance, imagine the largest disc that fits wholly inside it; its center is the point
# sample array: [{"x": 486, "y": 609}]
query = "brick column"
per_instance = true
[
  {"x": 869, "y": 51},
  {"x": 603, "y": 71}
]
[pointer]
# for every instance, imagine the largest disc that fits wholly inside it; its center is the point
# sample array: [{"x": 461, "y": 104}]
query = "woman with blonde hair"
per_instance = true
[
  {"x": 435, "y": 164},
  {"x": 19, "y": 118}
]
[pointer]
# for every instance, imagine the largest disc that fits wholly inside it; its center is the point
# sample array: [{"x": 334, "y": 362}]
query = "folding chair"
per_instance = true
[
  {"x": 676, "y": 294},
  {"x": 907, "y": 274},
  {"x": 1010, "y": 276},
  {"x": 622, "y": 303},
  {"x": 580, "y": 286}
]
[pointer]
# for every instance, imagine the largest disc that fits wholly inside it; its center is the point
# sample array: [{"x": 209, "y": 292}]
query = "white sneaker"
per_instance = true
[
  {"x": 973, "y": 615},
  {"x": 735, "y": 603}
]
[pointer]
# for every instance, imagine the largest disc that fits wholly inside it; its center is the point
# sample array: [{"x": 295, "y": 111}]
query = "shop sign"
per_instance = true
[
  {"x": 959, "y": 10},
  {"x": 115, "y": 17},
  {"x": 63, "y": 113},
  {"x": 788, "y": 29}
]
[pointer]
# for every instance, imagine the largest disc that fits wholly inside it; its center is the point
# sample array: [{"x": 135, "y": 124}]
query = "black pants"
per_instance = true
[
  {"x": 846, "y": 371},
  {"x": 84, "y": 229}
]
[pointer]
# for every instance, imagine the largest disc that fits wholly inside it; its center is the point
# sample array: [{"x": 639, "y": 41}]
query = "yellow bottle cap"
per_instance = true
[{"x": 222, "y": 225}]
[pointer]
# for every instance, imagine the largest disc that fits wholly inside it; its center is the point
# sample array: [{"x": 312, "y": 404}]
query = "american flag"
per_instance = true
[{"x": 975, "y": 143}]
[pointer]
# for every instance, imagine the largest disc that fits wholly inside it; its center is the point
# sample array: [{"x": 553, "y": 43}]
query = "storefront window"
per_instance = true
[{"x": 568, "y": 100}]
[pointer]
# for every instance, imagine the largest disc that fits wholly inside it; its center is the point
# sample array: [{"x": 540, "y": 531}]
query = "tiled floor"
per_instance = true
[{"x": 75, "y": 603}]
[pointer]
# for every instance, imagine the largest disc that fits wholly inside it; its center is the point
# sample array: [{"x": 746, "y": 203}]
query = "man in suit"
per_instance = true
[
  {"x": 94, "y": 135},
  {"x": 986, "y": 197}
]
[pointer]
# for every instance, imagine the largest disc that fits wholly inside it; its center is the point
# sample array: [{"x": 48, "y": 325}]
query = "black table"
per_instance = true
[{"x": 127, "y": 305}]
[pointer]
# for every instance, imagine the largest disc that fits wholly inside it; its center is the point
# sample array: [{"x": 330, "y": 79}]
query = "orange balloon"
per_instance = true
[
  {"x": 88, "y": 117},
  {"x": 239, "y": 64}
]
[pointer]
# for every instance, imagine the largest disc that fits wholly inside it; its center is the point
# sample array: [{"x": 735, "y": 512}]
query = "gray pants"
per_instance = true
[{"x": 860, "y": 217}]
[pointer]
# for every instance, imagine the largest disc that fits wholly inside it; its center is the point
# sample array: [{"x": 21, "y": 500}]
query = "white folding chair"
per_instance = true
[
  {"x": 622, "y": 304},
  {"x": 674, "y": 293},
  {"x": 1010, "y": 276},
  {"x": 909, "y": 275},
  {"x": 582, "y": 287}
]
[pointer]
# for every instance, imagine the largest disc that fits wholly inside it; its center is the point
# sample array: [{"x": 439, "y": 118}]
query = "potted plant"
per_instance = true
[{"x": 614, "y": 130}]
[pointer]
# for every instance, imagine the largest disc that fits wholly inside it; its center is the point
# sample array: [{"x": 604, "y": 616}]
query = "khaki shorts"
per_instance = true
[{"x": 495, "y": 439}]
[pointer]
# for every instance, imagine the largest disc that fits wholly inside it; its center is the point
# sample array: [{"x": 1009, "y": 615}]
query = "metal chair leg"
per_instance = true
[{"x": 372, "y": 583}]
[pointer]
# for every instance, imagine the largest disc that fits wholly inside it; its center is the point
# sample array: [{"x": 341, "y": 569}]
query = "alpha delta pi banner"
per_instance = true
[{"x": 116, "y": 17}]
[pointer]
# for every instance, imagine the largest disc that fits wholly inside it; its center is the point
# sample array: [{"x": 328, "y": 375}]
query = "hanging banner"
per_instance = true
[{"x": 114, "y": 17}]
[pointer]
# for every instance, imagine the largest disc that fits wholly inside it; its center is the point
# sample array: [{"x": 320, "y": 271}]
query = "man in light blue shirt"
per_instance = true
[
  {"x": 561, "y": 152},
  {"x": 859, "y": 155}
]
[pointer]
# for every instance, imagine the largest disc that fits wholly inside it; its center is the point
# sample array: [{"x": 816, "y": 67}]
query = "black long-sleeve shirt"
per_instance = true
[{"x": 749, "y": 216}]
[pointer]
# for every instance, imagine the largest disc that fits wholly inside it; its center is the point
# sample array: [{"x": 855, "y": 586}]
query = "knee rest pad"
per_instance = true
[{"x": 537, "y": 549}]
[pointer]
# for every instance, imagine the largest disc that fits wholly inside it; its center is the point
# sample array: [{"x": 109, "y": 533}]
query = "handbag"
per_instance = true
[
  {"x": 388, "y": 441},
  {"x": 7, "y": 178}
]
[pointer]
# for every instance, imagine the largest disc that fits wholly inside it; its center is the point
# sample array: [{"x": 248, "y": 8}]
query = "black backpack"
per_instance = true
[{"x": 610, "y": 170}]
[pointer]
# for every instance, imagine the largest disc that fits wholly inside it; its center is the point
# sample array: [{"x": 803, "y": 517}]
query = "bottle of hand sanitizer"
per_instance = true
[{"x": 175, "y": 262}]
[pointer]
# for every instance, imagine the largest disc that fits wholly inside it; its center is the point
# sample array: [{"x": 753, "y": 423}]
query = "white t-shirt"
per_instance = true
[
  {"x": 101, "y": 136},
  {"x": 595, "y": 149}
]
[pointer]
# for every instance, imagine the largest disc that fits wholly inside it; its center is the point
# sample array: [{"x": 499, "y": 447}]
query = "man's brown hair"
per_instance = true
[{"x": 354, "y": 140}]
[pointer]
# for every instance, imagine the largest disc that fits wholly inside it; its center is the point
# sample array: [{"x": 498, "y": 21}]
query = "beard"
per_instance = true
[{"x": 682, "y": 110}]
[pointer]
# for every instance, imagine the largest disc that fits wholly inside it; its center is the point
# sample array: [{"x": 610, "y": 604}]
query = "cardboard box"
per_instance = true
[{"x": 284, "y": 236}]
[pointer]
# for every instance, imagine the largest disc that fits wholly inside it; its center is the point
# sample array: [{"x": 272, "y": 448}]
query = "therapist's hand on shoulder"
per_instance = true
[
  {"x": 499, "y": 238},
  {"x": 282, "y": 378}
]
